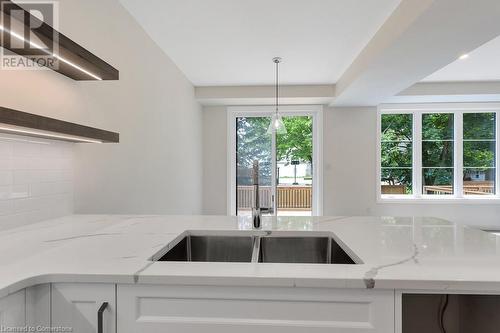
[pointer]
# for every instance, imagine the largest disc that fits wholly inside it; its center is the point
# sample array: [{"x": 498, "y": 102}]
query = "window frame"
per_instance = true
[{"x": 417, "y": 110}]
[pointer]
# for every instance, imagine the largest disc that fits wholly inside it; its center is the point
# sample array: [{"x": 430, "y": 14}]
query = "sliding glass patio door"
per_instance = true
[
  {"x": 294, "y": 167},
  {"x": 287, "y": 175},
  {"x": 253, "y": 143}
]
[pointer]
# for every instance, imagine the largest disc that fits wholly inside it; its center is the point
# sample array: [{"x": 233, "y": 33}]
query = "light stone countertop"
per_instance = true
[{"x": 397, "y": 253}]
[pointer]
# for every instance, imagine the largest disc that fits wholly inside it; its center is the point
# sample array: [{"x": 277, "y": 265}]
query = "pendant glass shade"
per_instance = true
[{"x": 277, "y": 125}]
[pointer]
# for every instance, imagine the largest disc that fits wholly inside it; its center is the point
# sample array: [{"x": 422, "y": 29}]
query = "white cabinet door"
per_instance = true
[
  {"x": 76, "y": 306},
  {"x": 13, "y": 311},
  {"x": 38, "y": 305},
  {"x": 194, "y": 309}
]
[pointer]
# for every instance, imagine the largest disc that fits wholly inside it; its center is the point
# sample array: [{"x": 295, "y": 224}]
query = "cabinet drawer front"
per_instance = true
[{"x": 219, "y": 309}]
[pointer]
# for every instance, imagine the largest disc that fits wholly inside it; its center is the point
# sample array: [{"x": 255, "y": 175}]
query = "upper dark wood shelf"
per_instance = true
[
  {"x": 78, "y": 63},
  {"x": 22, "y": 123}
]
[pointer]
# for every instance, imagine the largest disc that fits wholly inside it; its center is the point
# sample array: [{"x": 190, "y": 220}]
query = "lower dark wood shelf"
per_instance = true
[{"x": 23, "y": 123}]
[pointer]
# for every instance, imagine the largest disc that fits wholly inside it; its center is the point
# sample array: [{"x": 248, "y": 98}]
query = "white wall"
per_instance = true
[
  {"x": 349, "y": 171},
  {"x": 215, "y": 160},
  {"x": 156, "y": 167}
]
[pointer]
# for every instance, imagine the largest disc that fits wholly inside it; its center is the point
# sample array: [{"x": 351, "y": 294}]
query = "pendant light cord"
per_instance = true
[{"x": 277, "y": 85}]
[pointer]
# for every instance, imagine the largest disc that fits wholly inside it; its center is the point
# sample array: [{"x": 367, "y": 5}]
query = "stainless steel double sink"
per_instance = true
[{"x": 257, "y": 246}]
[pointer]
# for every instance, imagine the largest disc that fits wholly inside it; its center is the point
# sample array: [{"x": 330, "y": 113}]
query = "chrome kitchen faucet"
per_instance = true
[{"x": 256, "y": 209}]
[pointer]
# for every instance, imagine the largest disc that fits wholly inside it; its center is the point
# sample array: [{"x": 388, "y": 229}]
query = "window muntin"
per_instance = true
[
  {"x": 459, "y": 152},
  {"x": 396, "y": 154},
  {"x": 437, "y": 153},
  {"x": 479, "y": 153}
]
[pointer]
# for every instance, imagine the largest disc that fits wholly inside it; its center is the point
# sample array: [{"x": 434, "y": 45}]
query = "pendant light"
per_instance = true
[{"x": 277, "y": 126}]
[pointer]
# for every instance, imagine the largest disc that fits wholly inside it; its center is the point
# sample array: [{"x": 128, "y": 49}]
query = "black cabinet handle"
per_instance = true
[{"x": 99, "y": 316}]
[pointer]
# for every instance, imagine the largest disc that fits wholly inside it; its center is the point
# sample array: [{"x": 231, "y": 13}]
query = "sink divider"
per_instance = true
[
  {"x": 329, "y": 251},
  {"x": 189, "y": 254}
]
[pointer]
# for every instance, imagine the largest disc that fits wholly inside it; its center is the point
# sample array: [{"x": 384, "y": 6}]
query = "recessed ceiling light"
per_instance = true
[{"x": 463, "y": 56}]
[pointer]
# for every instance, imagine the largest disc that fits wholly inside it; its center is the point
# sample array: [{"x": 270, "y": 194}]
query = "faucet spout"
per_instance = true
[
  {"x": 256, "y": 213},
  {"x": 256, "y": 209}
]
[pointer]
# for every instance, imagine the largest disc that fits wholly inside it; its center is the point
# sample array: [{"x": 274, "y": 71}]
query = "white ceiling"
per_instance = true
[
  {"x": 232, "y": 42},
  {"x": 483, "y": 64}
]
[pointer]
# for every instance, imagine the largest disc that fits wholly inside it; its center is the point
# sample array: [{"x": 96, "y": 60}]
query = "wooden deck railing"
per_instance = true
[
  {"x": 289, "y": 197},
  {"x": 295, "y": 197},
  {"x": 480, "y": 189},
  {"x": 393, "y": 189},
  {"x": 471, "y": 188}
]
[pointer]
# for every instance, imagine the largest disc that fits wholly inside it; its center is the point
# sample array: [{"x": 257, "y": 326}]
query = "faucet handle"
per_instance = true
[{"x": 267, "y": 210}]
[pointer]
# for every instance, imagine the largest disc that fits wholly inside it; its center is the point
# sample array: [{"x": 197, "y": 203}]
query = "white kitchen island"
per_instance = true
[{"x": 59, "y": 273}]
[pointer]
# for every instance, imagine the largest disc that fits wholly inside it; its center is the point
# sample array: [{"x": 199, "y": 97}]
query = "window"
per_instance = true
[
  {"x": 479, "y": 148},
  {"x": 397, "y": 154},
  {"x": 438, "y": 154}
]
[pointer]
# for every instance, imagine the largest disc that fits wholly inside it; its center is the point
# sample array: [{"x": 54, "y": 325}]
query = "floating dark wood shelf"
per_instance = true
[
  {"x": 22, "y": 123},
  {"x": 64, "y": 55}
]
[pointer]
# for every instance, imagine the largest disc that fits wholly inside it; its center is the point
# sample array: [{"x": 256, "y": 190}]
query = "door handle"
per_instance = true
[{"x": 100, "y": 315}]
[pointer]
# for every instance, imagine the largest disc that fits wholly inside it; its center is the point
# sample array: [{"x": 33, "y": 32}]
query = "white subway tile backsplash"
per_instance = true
[
  {"x": 25, "y": 176},
  {"x": 5, "y": 192},
  {"x": 36, "y": 180},
  {"x": 27, "y": 148},
  {"x": 6, "y": 177},
  {"x": 10, "y": 192},
  {"x": 6, "y": 207},
  {"x": 50, "y": 188},
  {"x": 28, "y": 204},
  {"x": 19, "y": 191},
  {"x": 5, "y": 162},
  {"x": 5, "y": 149},
  {"x": 36, "y": 176}
]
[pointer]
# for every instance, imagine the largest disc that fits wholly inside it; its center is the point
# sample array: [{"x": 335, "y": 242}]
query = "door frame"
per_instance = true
[{"x": 315, "y": 111}]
